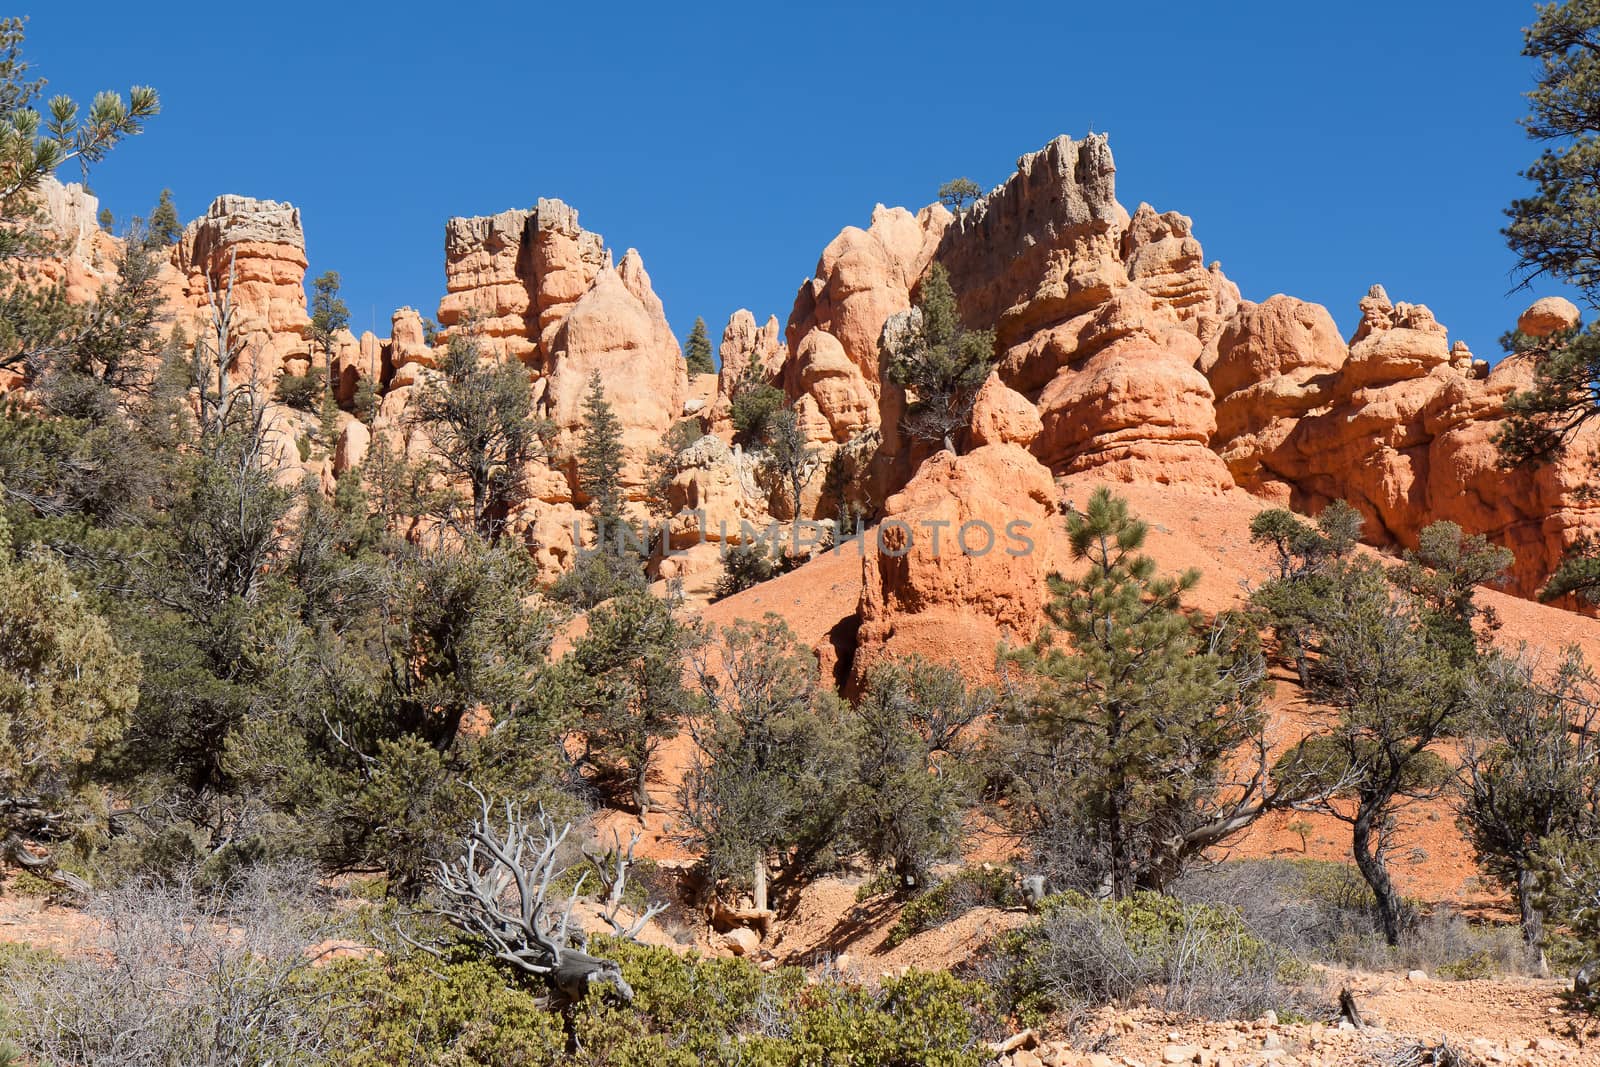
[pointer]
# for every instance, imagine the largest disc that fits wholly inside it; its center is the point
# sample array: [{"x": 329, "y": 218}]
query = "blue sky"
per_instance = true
[{"x": 1318, "y": 147}]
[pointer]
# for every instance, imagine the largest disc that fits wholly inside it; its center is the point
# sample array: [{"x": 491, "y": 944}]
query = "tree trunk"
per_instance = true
[
  {"x": 641, "y": 793},
  {"x": 760, "y": 891},
  {"x": 1376, "y": 873},
  {"x": 1532, "y": 917}
]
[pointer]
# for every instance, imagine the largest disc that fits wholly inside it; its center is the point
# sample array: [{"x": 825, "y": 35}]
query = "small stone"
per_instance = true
[
  {"x": 1416, "y": 976},
  {"x": 1025, "y": 1058},
  {"x": 1270, "y": 1018},
  {"x": 1180, "y": 1054},
  {"x": 742, "y": 941}
]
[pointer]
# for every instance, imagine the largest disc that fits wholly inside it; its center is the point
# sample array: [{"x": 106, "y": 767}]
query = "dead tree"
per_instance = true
[{"x": 498, "y": 892}]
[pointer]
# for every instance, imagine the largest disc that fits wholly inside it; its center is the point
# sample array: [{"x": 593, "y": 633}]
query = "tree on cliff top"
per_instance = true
[
  {"x": 697, "y": 350},
  {"x": 940, "y": 363},
  {"x": 164, "y": 228},
  {"x": 957, "y": 193}
]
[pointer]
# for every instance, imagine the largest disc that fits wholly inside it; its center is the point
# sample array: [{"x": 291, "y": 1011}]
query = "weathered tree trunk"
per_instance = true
[
  {"x": 1532, "y": 917},
  {"x": 1376, "y": 872},
  {"x": 760, "y": 891},
  {"x": 641, "y": 792}
]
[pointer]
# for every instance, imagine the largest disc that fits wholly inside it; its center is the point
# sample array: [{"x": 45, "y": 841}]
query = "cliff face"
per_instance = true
[{"x": 1123, "y": 357}]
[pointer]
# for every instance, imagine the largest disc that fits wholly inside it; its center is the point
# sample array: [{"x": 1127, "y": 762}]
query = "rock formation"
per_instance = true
[
  {"x": 1121, "y": 356},
  {"x": 536, "y": 287},
  {"x": 959, "y": 560},
  {"x": 259, "y": 248}
]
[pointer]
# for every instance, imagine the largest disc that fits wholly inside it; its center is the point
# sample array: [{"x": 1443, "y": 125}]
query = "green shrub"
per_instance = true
[
  {"x": 28, "y": 884},
  {"x": 686, "y": 1012},
  {"x": 748, "y": 565},
  {"x": 303, "y": 391},
  {"x": 422, "y": 1011},
  {"x": 1199, "y": 959},
  {"x": 971, "y": 887}
]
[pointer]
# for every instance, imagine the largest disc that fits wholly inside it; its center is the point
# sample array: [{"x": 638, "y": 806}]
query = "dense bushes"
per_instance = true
[
  {"x": 686, "y": 1012},
  {"x": 1200, "y": 959}
]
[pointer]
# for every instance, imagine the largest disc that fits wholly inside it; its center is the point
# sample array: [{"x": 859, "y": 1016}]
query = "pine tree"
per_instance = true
[
  {"x": 957, "y": 193},
  {"x": 1398, "y": 691},
  {"x": 1126, "y": 736},
  {"x": 768, "y": 780},
  {"x": 164, "y": 228},
  {"x": 329, "y": 315},
  {"x": 625, "y": 685},
  {"x": 1555, "y": 233},
  {"x": 480, "y": 421},
  {"x": 914, "y": 765},
  {"x": 66, "y": 690},
  {"x": 34, "y": 320},
  {"x": 939, "y": 362},
  {"x": 1530, "y": 770},
  {"x": 600, "y": 461},
  {"x": 1305, "y": 556},
  {"x": 697, "y": 350},
  {"x": 753, "y": 402},
  {"x": 1443, "y": 574},
  {"x": 789, "y": 455}
]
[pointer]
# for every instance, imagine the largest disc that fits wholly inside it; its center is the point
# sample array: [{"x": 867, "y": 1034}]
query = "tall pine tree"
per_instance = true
[
  {"x": 164, "y": 228},
  {"x": 697, "y": 350},
  {"x": 600, "y": 460},
  {"x": 1128, "y": 732}
]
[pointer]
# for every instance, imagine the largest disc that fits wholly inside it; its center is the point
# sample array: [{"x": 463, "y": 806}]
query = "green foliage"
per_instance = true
[
  {"x": 329, "y": 315},
  {"x": 609, "y": 570},
  {"x": 663, "y": 464},
  {"x": 789, "y": 456},
  {"x": 1531, "y": 770},
  {"x": 1443, "y": 574},
  {"x": 754, "y": 400},
  {"x": 686, "y": 1012},
  {"x": 600, "y": 461},
  {"x": 480, "y": 421},
  {"x": 1122, "y": 743},
  {"x": 745, "y": 566},
  {"x": 1390, "y": 672},
  {"x": 939, "y": 362},
  {"x": 624, "y": 682},
  {"x": 1306, "y": 557},
  {"x": 66, "y": 690},
  {"x": 768, "y": 778},
  {"x": 957, "y": 193},
  {"x": 1567, "y": 877},
  {"x": 1555, "y": 231},
  {"x": 968, "y": 888},
  {"x": 302, "y": 391},
  {"x": 915, "y": 768},
  {"x": 697, "y": 349},
  {"x": 416, "y": 1011},
  {"x": 35, "y": 321},
  {"x": 33, "y": 146},
  {"x": 164, "y": 229}
]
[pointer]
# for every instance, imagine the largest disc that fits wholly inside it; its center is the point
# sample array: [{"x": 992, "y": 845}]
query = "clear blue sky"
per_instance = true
[{"x": 1318, "y": 147}]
